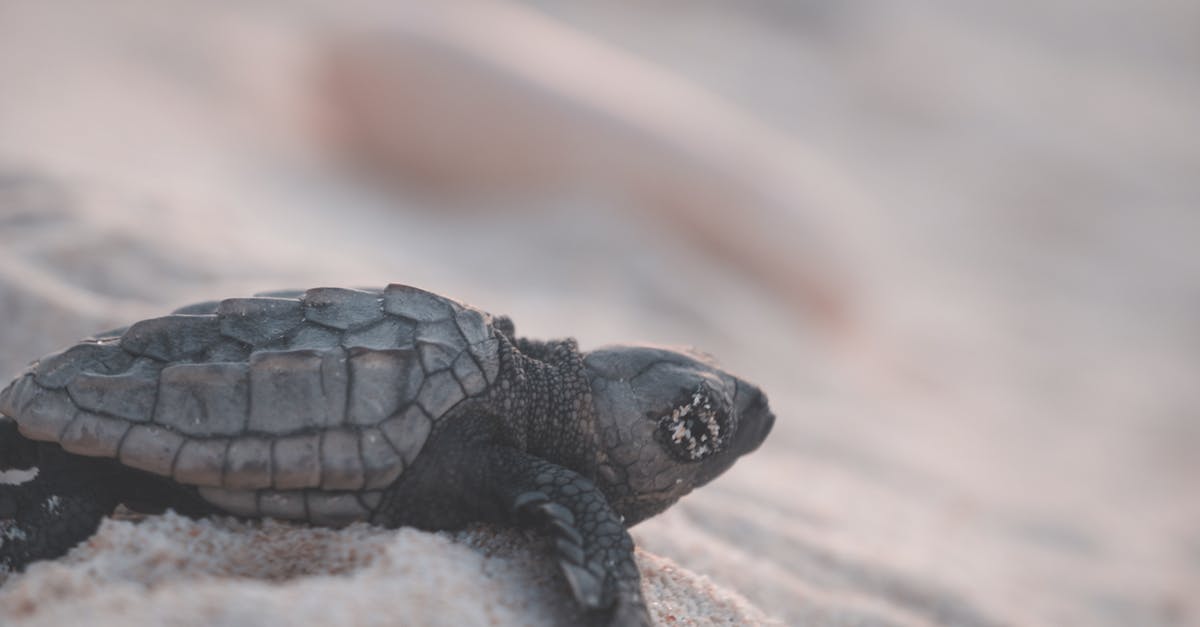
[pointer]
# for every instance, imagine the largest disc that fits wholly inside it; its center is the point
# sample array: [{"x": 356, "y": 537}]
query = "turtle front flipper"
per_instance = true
[{"x": 595, "y": 551}]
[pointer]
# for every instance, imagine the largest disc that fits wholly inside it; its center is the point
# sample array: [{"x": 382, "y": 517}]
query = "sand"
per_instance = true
[
  {"x": 177, "y": 571},
  {"x": 963, "y": 269}
]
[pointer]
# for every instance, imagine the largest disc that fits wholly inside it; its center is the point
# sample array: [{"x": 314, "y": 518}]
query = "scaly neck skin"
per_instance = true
[{"x": 556, "y": 405}]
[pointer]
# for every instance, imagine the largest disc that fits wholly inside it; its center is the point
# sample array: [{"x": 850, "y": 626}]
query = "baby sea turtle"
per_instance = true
[{"x": 393, "y": 406}]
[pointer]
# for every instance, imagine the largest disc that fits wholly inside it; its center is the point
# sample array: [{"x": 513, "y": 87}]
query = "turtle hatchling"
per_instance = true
[{"x": 395, "y": 406}]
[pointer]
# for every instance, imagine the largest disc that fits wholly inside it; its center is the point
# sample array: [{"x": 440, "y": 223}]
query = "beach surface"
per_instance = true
[{"x": 954, "y": 243}]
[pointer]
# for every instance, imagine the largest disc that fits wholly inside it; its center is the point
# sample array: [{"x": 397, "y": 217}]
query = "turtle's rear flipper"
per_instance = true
[
  {"x": 595, "y": 551},
  {"x": 16, "y": 451},
  {"x": 43, "y": 517}
]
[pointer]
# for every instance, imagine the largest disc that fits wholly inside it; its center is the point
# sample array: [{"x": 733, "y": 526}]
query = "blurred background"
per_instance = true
[{"x": 955, "y": 241}]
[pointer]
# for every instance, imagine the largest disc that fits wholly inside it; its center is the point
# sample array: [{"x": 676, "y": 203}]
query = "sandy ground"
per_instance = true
[{"x": 987, "y": 408}]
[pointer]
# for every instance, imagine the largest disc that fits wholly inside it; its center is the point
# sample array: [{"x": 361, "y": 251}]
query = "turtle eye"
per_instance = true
[{"x": 697, "y": 426}]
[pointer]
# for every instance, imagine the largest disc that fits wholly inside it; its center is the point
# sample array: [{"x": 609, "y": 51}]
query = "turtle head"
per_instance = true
[{"x": 668, "y": 421}]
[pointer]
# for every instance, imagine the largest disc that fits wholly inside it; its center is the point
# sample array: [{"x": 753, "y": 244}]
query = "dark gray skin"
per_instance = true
[{"x": 581, "y": 446}]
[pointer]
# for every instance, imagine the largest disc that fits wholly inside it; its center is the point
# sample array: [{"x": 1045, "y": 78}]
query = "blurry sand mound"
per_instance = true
[{"x": 223, "y": 572}]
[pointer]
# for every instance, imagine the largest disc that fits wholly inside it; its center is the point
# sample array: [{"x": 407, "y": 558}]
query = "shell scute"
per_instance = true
[
  {"x": 382, "y": 464},
  {"x": 236, "y": 502},
  {"x": 439, "y": 344},
  {"x": 334, "y": 509},
  {"x": 381, "y": 382},
  {"x": 407, "y": 432},
  {"x": 387, "y": 333},
  {"x": 171, "y": 338},
  {"x": 297, "y": 462},
  {"x": 439, "y": 393},
  {"x": 93, "y": 435},
  {"x": 16, "y": 395},
  {"x": 131, "y": 395},
  {"x": 342, "y": 308},
  {"x": 473, "y": 324},
  {"x": 292, "y": 390},
  {"x": 416, "y": 304},
  {"x": 227, "y": 350},
  {"x": 286, "y": 505},
  {"x": 43, "y": 414},
  {"x": 201, "y": 462},
  {"x": 487, "y": 354},
  {"x": 247, "y": 463},
  {"x": 469, "y": 376},
  {"x": 104, "y": 357},
  {"x": 341, "y": 463},
  {"x": 258, "y": 321},
  {"x": 204, "y": 400},
  {"x": 150, "y": 448},
  {"x": 313, "y": 336}
]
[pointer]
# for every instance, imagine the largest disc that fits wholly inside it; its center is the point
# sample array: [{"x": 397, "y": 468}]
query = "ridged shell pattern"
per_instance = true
[{"x": 299, "y": 405}]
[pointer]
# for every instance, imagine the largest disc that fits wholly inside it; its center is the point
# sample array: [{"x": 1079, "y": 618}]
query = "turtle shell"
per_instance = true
[{"x": 288, "y": 404}]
